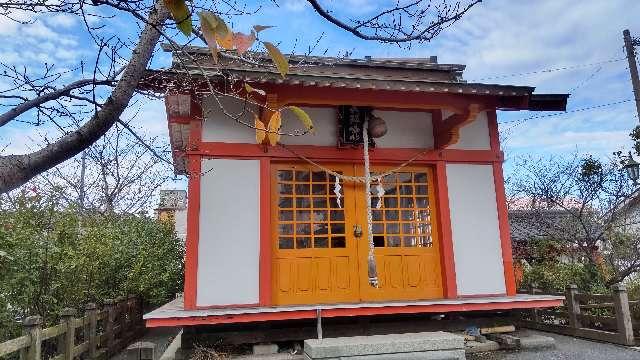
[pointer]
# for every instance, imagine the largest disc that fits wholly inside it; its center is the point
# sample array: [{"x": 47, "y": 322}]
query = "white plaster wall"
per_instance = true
[
  {"x": 220, "y": 127},
  {"x": 406, "y": 129},
  {"x": 325, "y": 124},
  {"x": 474, "y": 226},
  {"x": 228, "y": 248},
  {"x": 475, "y": 135}
]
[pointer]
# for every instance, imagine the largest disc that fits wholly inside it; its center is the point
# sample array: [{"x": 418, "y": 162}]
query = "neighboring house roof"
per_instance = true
[
  {"x": 527, "y": 225},
  {"x": 627, "y": 211}
]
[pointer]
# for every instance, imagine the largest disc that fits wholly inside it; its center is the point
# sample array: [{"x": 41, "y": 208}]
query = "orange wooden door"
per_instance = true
[
  {"x": 315, "y": 257},
  {"x": 407, "y": 250}
]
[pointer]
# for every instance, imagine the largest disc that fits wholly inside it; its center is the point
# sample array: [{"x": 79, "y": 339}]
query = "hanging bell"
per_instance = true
[{"x": 377, "y": 126}]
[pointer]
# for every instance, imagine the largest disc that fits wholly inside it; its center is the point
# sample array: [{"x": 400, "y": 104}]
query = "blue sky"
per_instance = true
[{"x": 494, "y": 39}]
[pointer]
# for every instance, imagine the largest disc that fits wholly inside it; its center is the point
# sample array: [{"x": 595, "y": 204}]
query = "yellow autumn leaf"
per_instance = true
[
  {"x": 303, "y": 117},
  {"x": 251, "y": 89},
  {"x": 278, "y": 59},
  {"x": 260, "y": 130},
  {"x": 208, "y": 23},
  {"x": 225, "y": 41},
  {"x": 180, "y": 14},
  {"x": 274, "y": 128},
  {"x": 217, "y": 29}
]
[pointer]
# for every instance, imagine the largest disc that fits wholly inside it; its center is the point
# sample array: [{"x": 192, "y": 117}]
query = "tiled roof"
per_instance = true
[
  {"x": 527, "y": 225},
  {"x": 193, "y": 67},
  {"x": 400, "y": 74}
]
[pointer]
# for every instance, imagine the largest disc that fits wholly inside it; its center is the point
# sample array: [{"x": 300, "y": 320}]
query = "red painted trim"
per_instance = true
[
  {"x": 494, "y": 135},
  {"x": 194, "y": 168},
  {"x": 437, "y": 124},
  {"x": 177, "y": 119},
  {"x": 378, "y": 98},
  {"x": 503, "y": 225},
  {"x": 448, "y": 132},
  {"x": 445, "y": 235},
  {"x": 193, "y": 232},
  {"x": 195, "y": 136},
  {"x": 391, "y": 155},
  {"x": 265, "y": 232},
  {"x": 362, "y": 311}
]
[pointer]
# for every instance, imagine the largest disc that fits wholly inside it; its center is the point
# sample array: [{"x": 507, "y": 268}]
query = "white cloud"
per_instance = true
[
  {"x": 62, "y": 20},
  {"x": 10, "y": 26},
  {"x": 149, "y": 118},
  {"x": 38, "y": 29},
  {"x": 294, "y": 5},
  {"x": 508, "y": 37},
  {"x": 495, "y": 38}
]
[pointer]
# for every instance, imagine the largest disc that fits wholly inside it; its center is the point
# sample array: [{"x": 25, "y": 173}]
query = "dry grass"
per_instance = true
[{"x": 219, "y": 351}]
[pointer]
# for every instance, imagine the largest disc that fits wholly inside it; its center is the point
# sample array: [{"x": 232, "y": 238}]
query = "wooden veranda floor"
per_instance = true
[{"x": 174, "y": 314}]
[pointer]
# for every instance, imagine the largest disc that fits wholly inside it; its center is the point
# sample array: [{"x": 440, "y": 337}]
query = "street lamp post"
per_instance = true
[{"x": 630, "y": 166}]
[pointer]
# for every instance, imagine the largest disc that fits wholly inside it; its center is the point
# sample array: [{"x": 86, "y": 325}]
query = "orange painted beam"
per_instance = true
[
  {"x": 265, "y": 232},
  {"x": 501, "y": 203},
  {"x": 194, "y": 169},
  {"x": 503, "y": 226},
  {"x": 379, "y": 98},
  {"x": 494, "y": 136},
  {"x": 342, "y": 312},
  {"x": 331, "y": 153},
  {"x": 193, "y": 232},
  {"x": 444, "y": 226},
  {"x": 447, "y": 131}
]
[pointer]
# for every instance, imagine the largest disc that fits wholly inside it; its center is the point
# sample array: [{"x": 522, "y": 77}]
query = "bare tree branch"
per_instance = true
[
  {"x": 30, "y": 104},
  {"x": 394, "y": 29},
  {"x": 17, "y": 169}
]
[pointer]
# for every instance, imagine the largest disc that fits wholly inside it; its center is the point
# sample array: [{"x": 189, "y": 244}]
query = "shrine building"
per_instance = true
[{"x": 278, "y": 232}]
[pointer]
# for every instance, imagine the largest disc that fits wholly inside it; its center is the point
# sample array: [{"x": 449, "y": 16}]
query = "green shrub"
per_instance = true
[
  {"x": 555, "y": 276},
  {"x": 54, "y": 257}
]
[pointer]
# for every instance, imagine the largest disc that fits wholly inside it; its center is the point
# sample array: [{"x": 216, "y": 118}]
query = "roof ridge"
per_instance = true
[{"x": 405, "y": 63}]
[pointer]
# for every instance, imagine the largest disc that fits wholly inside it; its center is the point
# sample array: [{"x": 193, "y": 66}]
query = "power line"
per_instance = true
[
  {"x": 568, "y": 112},
  {"x": 518, "y": 122},
  {"x": 570, "y": 91},
  {"x": 570, "y": 67}
]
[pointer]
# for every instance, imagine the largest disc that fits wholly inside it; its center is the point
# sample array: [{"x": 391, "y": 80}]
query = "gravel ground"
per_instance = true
[{"x": 567, "y": 348}]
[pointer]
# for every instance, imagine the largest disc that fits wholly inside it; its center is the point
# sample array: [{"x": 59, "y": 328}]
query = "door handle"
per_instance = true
[{"x": 357, "y": 231}]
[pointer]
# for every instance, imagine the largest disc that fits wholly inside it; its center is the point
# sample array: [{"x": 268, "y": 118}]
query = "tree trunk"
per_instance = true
[{"x": 15, "y": 170}]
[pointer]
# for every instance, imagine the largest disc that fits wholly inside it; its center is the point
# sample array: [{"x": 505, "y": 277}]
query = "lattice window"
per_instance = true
[
  {"x": 404, "y": 219},
  {"x": 308, "y": 211}
]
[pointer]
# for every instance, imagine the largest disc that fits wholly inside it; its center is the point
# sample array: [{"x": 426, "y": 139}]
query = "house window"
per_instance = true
[
  {"x": 404, "y": 219},
  {"x": 308, "y": 212}
]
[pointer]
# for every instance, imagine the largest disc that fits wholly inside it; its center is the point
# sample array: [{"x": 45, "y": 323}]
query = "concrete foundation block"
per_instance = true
[
  {"x": 426, "y": 345},
  {"x": 423, "y": 355},
  {"x": 279, "y": 356},
  {"x": 141, "y": 350},
  {"x": 534, "y": 341},
  {"x": 265, "y": 349},
  {"x": 472, "y": 347}
]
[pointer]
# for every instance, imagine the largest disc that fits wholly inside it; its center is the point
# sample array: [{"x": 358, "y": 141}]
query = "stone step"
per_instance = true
[
  {"x": 426, "y": 345},
  {"x": 534, "y": 341}
]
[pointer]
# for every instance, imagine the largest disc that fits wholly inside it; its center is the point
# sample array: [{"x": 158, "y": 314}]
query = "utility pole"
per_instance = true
[{"x": 629, "y": 43}]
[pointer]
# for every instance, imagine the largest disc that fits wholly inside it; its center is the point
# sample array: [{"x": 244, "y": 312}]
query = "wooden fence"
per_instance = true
[
  {"x": 99, "y": 333},
  {"x": 604, "y": 317}
]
